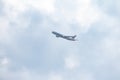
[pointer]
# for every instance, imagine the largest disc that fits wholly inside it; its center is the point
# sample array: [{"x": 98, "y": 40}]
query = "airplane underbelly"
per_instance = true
[{"x": 57, "y": 36}]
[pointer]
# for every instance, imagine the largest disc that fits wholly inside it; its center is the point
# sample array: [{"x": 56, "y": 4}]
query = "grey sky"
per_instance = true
[{"x": 28, "y": 50}]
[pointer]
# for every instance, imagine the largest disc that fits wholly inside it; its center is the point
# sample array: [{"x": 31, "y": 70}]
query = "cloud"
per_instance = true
[
  {"x": 55, "y": 76},
  {"x": 22, "y": 5},
  {"x": 72, "y": 62},
  {"x": 10, "y": 70},
  {"x": 46, "y": 5},
  {"x": 4, "y": 30},
  {"x": 1, "y": 7},
  {"x": 88, "y": 13},
  {"x": 4, "y": 61},
  {"x": 86, "y": 76},
  {"x": 29, "y": 50},
  {"x": 83, "y": 12},
  {"x": 109, "y": 7}
]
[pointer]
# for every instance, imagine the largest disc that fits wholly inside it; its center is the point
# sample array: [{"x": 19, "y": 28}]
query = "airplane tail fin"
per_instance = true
[{"x": 74, "y": 36}]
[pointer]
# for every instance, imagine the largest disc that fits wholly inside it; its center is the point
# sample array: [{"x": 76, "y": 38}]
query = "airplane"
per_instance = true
[{"x": 71, "y": 38}]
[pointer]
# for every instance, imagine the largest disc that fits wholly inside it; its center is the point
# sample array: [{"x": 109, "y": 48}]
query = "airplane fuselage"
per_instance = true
[{"x": 72, "y": 38}]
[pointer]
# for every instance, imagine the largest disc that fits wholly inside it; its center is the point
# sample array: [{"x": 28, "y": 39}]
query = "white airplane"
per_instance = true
[{"x": 71, "y": 38}]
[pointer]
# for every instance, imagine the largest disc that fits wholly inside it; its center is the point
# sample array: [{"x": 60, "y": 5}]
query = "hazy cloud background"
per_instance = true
[{"x": 28, "y": 50}]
